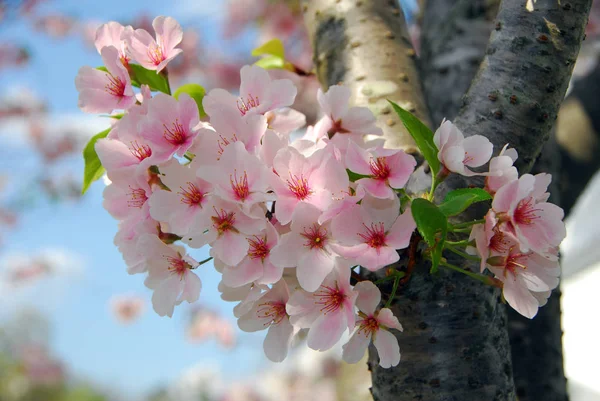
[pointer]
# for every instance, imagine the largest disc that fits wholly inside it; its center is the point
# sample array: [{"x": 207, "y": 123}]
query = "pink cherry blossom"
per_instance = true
[
  {"x": 314, "y": 180},
  {"x": 239, "y": 177},
  {"x": 457, "y": 153},
  {"x": 343, "y": 203},
  {"x": 522, "y": 205},
  {"x": 225, "y": 229},
  {"x": 341, "y": 119},
  {"x": 156, "y": 54},
  {"x": 308, "y": 247},
  {"x": 258, "y": 94},
  {"x": 286, "y": 120},
  {"x": 489, "y": 238},
  {"x": 257, "y": 265},
  {"x": 502, "y": 170},
  {"x": 130, "y": 230},
  {"x": 114, "y": 34},
  {"x": 328, "y": 312},
  {"x": 171, "y": 123},
  {"x": 270, "y": 311},
  {"x": 169, "y": 274},
  {"x": 373, "y": 325},
  {"x": 186, "y": 199},
  {"x": 105, "y": 91},
  {"x": 386, "y": 169},
  {"x": 525, "y": 275},
  {"x": 126, "y": 308},
  {"x": 128, "y": 199},
  {"x": 369, "y": 234}
]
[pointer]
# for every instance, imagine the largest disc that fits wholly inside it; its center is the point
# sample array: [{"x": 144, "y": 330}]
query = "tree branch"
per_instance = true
[
  {"x": 524, "y": 76},
  {"x": 365, "y": 45},
  {"x": 454, "y": 37}
]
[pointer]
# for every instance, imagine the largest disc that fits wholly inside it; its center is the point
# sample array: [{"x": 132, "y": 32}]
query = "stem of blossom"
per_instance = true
[
  {"x": 203, "y": 262},
  {"x": 393, "y": 294},
  {"x": 463, "y": 254},
  {"x": 468, "y": 224},
  {"x": 165, "y": 73},
  {"x": 464, "y": 242},
  {"x": 479, "y": 277},
  {"x": 396, "y": 274}
]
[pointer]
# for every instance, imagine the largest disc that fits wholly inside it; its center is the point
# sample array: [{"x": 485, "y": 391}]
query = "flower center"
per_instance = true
[
  {"x": 137, "y": 197},
  {"x": 140, "y": 151},
  {"x": 155, "y": 54},
  {"x": 192, "y": 195},
  {"x": 331, "y": 299},
  {"x": 515, "y": 261},
  {"x": 114, "y": 86},
  {"x": 369, "y": 325},
  {"x": 239, "y": 186},
  {"x": 379, "y": 168},
  {"x": 498, "y": 242},
  {"x": 375, "y": 235},
  {"x": 336, "y": 128},
  {"x": 250, "y": 103},
  {"x": 299, "y": 186},
  {"x": 223, "y": 142},
  {"x": 525, "y": 211},
  {"x": 223, "y": 221},
  {"x": 316, "y": 236},
  {"x": 467, "y": 158},
  {"x": 176, "y": 134},
  {"x": 273, "y": 310},
  {"x": 177, "y": 265},
  {"x": 258, "y": 248}
]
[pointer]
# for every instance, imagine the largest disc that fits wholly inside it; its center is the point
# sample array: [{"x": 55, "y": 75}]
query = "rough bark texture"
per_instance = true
[
  {"x": 455, "y": 345},
  {"x": 365, "y": 45},
  {"x": 524, "y": 76},
  {"x": 454, "y": 37}
]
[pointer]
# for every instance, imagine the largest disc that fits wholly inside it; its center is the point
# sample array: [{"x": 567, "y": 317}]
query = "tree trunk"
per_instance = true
[{"x": 455, "y": 344}]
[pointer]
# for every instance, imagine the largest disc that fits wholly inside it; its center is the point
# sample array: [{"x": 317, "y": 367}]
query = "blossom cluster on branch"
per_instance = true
[{"x": 290, "y": 222}]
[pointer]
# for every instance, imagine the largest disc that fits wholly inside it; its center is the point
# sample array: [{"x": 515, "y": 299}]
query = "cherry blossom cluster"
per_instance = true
[{"x": 289, "y": 212}]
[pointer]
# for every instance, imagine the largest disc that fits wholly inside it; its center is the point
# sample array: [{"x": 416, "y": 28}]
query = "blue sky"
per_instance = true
[{"x": 152, "y": 352}]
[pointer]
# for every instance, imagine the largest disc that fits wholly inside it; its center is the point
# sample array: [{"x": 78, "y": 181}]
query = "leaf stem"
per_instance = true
[
  {"x": 479, "y": 277},
  {"x": 467, "y": 224},
  {"x": 203, "y": 262},
  {"x": 393, "y": 294},
  {"x": 463, "y": 254}
]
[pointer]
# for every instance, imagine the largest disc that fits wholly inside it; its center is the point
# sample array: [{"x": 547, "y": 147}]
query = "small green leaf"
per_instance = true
[
  {"x": 355, "y": 176},
  {"x": 422, "y": 135},
  {"x": 102, "y": 68},
  {"x": 93, "y": 169},
  {"x": 271, "y": 63},
  {"x": 196, "y": 92},
  {"x": 156, "y": 81},
  {"x": 273, "y": 48},
  {"x": 459, "y": 200},
  {"x": 433, "y": 227}
]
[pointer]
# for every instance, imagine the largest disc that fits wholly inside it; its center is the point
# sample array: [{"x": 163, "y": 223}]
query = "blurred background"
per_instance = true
[{"x": 73, "y": 324}]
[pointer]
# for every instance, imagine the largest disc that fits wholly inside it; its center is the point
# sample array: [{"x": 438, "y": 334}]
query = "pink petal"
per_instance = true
[
  {"x": 354, "y": 350},
  {"x": 334, "y": 102},
  {"x": 368, "y": 298},
  {"x": 278, "y": 339},
  {"x": 192, "y": 288},
  {"x": 357, "y": 159},
  {"x": 518, "y": 296},
  {"x": 398, "y": 237},
  {"x": 247, "y": 271},
  {"x": 387, "y": 318},
  {"x": 378, "y": 188},
  {"x": 313, "y": 266},
  {"x": 478, "y": 149},
  {"x": 402, "y": 166},
  {"x": 168, "y": 33},
  {"x": 327, "y": 330},
  {"x": 165, "y": 296},
  {"x": 387, "y": 348}
]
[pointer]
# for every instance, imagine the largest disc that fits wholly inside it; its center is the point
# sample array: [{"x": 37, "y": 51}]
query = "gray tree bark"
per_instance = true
[{"x": 455, "y": 345}]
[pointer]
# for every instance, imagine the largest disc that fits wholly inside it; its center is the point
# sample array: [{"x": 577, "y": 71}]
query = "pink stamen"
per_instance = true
[
  {"x": 155, "y": 54},
  {"x": 140, "y": 151},
  {"x": 223, "y": 142},
  {"x": 177, "y": 265},
  {"x": 240, "y": 186},
  {"x": 176, "y": 135},
  {"x": 375, "y": 236},
  {"x": 515, "y": 261},
  {"x": 245, "y": 106},
  {"x": 258, "y": 248},
  {"x": 192, "y": 195},
  {"x": 369, "y": 325},
  {"x": 223, "y": 221},
  {"x": 331, "y": 299},
  {"x": 525, "y": 212},
  {"x": 137, "y": 197},
  {"x": 380, "y": 168},
  {"x": 316, "y": 236},
  {"x": 115, "y": 86},
  {"x": 271, "y": 310},
  {"x": 299, "y": 186}
]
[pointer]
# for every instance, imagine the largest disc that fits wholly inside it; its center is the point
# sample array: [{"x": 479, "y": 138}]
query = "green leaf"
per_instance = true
[
  {"x": 272, "y": 48},
  {"x": 459, "y": 200},
  {"x": 140, "y": 76},
  {"x": 433, "y": 227},
  {"x": 196, "y": 92},
  {"x": 355, "y": 176},
  {"x": 422, "y": 135},
  {"x": 271, "y": 63},
  {"x": 93, "y": 169}
]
